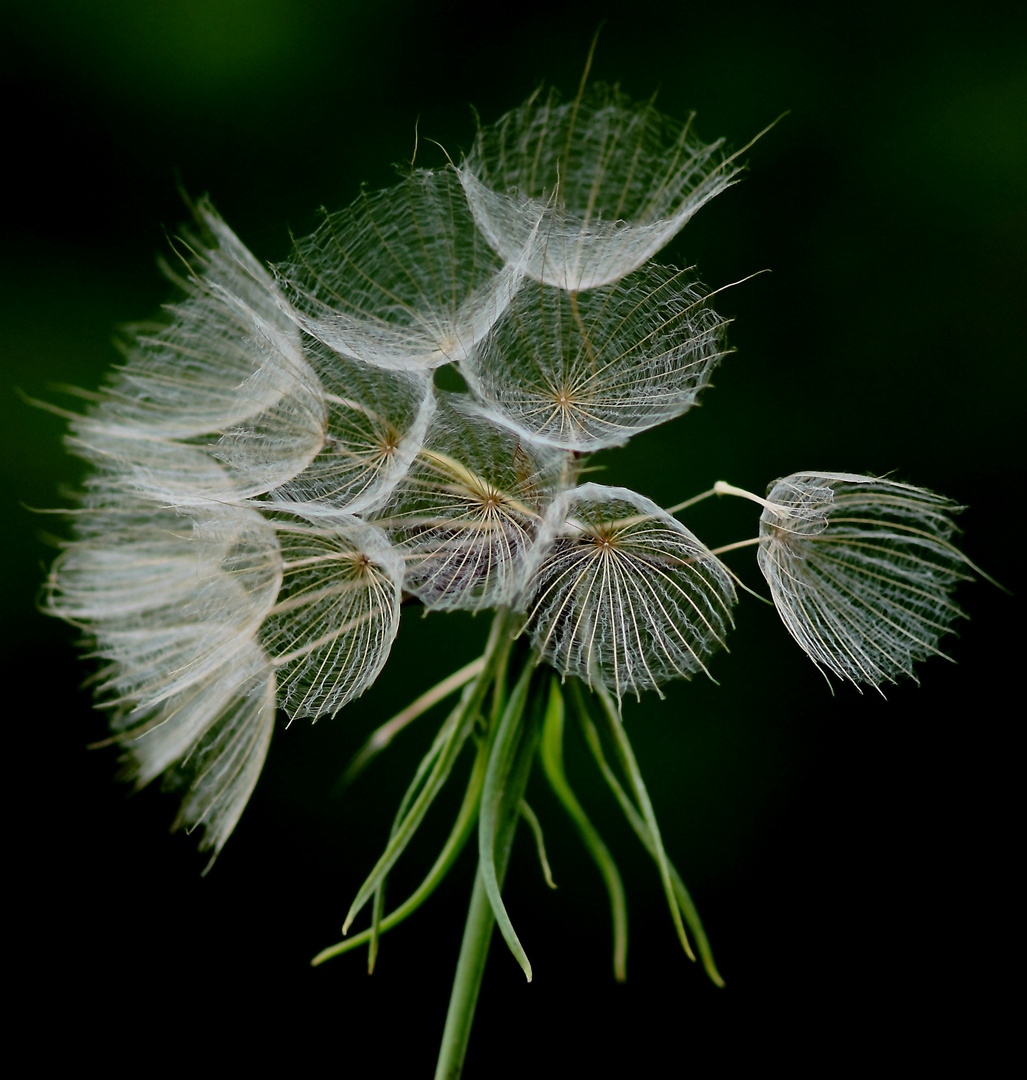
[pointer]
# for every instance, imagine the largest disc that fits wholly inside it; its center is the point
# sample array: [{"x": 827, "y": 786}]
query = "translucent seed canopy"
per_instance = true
[
  {"x": 168, "y": 598},
  {"x": 468, "y": 511},
  {"x": 228, "y": 354},
  {"x": 219, "y": 260},
  {"x": 612, "y": 181},
  {"x": 401, "y": 279},
  {"x": 861, "y": 570},
  {"x": 623, "y": 595},
  {"x": 247, "y": 461},
  {"x": 277, "y": 442},
  {"x": 172, "y": 429},
  {"x": 331, "y": 628},
  {"x": 375, "y": 423},
  {"x": 221, "y": 758},
  {"x": 582, "y": 371},
  {"x": 173, "y": 603}
]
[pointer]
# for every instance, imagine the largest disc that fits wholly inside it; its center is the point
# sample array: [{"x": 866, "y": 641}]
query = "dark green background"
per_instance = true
[{"x": 850, "y": 855}]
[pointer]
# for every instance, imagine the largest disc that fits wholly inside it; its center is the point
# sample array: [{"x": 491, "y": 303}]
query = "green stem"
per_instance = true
[
  {"x": 481, "y": 918},
  {"x": 437, "y": 763},
  {"x": 470, "y": 968}
]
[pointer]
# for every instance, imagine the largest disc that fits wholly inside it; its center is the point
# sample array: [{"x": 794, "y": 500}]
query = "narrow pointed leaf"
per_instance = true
[
  {"x": 455, "y": 842},
  {"x": 551, "y": 753},
  {"x": 641, "y": 829},
  {"x": 493, "y": 806}
]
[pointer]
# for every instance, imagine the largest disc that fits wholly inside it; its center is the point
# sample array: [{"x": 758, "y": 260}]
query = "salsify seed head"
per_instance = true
[{"x": 274, "y": 470}]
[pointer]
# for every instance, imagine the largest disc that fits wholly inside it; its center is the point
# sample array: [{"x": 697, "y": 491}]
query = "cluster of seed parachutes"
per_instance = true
[{"x": 276, "y": 470}]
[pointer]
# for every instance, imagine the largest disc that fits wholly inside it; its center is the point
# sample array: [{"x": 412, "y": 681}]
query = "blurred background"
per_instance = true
[{"x": 849, "y": 854}]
